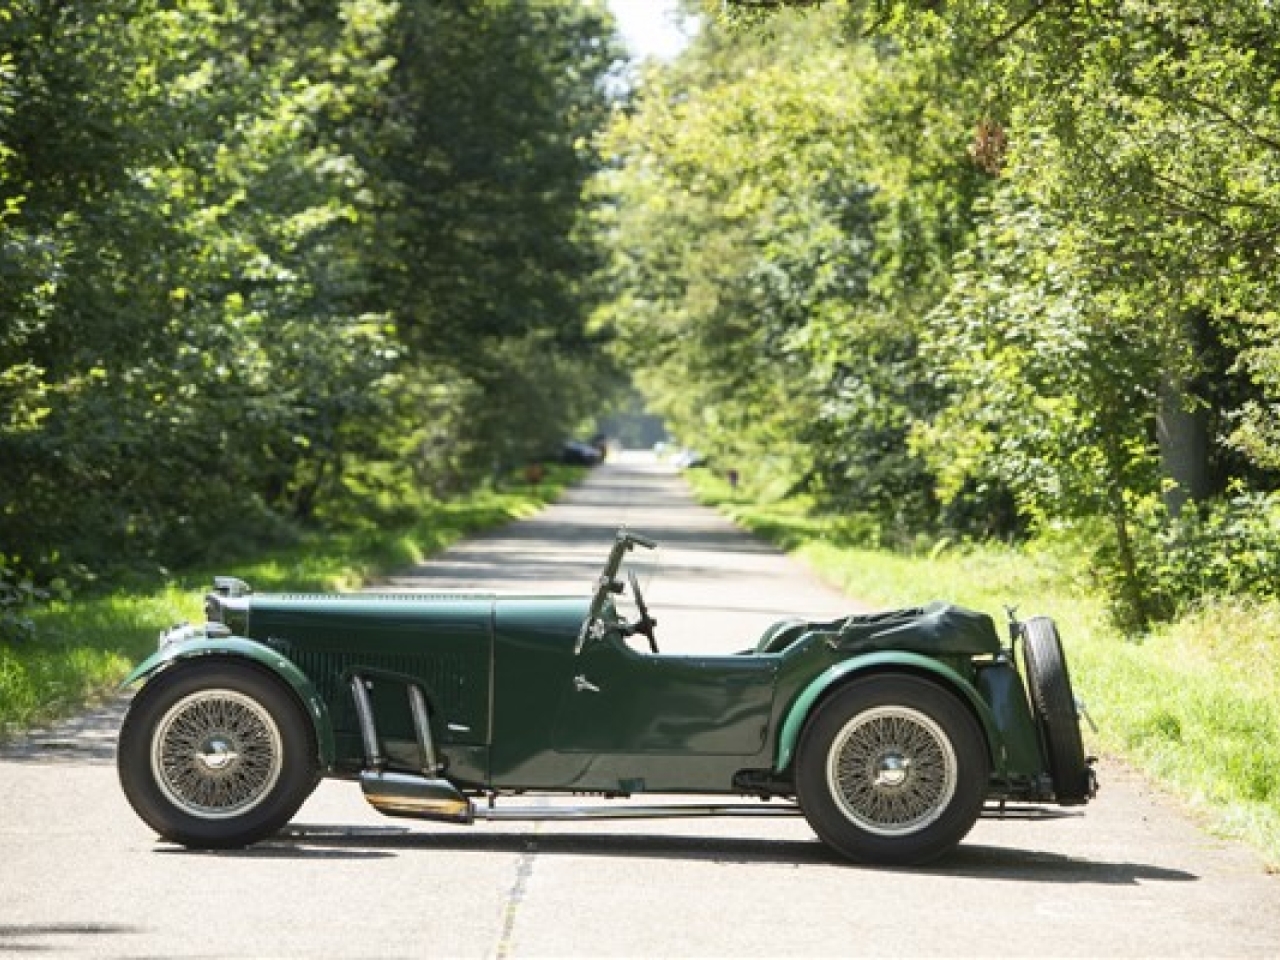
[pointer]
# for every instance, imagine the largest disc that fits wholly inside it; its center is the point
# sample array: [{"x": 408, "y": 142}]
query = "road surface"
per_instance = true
[{"x": 1129, "y": 876}]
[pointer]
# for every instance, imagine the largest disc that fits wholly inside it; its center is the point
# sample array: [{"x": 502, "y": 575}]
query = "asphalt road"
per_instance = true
[{"x": 1129, "y": 876}]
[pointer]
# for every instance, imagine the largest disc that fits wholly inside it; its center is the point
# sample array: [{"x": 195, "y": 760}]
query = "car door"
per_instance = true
[{"x": 619, "y": 701}]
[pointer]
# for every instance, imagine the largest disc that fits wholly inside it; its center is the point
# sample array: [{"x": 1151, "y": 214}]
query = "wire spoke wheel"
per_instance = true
[
  {"x": 892, "y": 770},
  {"x": 216, "y": 754}
]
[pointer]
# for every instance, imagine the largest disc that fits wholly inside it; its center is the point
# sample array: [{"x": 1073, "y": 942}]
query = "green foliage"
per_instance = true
[
  {"x": 1195, "y": 705},
  {"x": 1140, "y": 178},
  {"x": 771, "y": 247},
  {"x": 83, "y": 651},
  {"x": 1229, "y": 547},
  {"x": 260, "y": 261},
  {"x": 18, "y": 595},
  {"x": 1066, "y": 261},
  {"x": 484, "y": 260}
]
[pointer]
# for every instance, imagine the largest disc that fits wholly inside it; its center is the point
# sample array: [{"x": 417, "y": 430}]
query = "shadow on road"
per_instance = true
[
  {"x": 89, "y": 738},
  {"x": 51, "y": 938},
  {"x": 1034, "y": 866},
  {"x": 969, "y": 861}
]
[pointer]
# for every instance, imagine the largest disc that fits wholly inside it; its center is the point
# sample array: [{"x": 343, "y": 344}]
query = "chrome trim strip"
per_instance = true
[{"x": 625, "y": 812}]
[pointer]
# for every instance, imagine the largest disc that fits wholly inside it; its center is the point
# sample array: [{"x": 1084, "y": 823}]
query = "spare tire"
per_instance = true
[{"x": 1057, "y": 716}]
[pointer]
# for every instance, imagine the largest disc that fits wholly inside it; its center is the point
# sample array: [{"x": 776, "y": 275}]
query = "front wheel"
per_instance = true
[
  {"x": 892, "y": 770},
  {"x": 216, "y": 755}
]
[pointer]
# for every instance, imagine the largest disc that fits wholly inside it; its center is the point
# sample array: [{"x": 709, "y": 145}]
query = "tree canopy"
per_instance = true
[
  {"x": 962, "y": 269},
  {"x": 271, "y": 260},
  {"x": 985, "y": 266}
]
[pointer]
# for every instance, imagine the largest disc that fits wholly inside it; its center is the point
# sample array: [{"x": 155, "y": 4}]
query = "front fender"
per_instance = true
[
  {"x": 878, "y": 662},
  {"x": 244, "y": 649}
]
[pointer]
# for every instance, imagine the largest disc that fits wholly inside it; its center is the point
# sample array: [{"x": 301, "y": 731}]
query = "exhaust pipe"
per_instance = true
[{"x": 407, "y": 795}]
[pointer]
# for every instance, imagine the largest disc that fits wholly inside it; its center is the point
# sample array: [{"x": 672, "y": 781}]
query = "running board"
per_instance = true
[
  {"x": 421, "y": 798},
  {"x": 672, "y": 811}
]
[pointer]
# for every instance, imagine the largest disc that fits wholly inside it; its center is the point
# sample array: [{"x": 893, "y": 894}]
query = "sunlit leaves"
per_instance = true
[
  {"x": 217, "y": 299},
  {"x": 738, "y": 216},
  {"x": 1122, "y": 279}
]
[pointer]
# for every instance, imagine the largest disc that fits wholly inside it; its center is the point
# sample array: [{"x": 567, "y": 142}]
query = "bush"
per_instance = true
[
  {"x": 18, "y": 595},
  {"x": 1221, "y": 548}
]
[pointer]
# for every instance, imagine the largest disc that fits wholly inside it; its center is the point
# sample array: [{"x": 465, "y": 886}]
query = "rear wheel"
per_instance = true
[
  {"x": 892, "y": 770},
  {"x": 216, "y": 754},
  {"x": 1056, "y": 712}
]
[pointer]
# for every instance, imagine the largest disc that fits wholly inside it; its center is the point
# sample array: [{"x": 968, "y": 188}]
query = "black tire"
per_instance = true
[
  {"x": 892, "y": 770},
  {"x": 1057, "y": 717},
  {"x": 216, "y": 754}
]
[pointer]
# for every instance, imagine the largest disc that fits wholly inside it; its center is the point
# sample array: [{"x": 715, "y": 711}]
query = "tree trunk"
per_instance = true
[
  {"x": 1129, "y": 592},
  {"x": 1182, "y": 431}
]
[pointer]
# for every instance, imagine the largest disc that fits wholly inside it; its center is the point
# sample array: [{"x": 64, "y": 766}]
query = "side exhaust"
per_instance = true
[{"x": 409, "y": 795}]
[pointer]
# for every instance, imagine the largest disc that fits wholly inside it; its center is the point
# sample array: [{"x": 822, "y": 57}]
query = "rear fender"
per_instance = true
[
  {"x": 239, "y": 648},
  {"x": 885, "y": 662}
]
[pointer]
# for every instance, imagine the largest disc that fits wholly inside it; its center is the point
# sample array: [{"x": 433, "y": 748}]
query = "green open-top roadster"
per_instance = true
[{"x": 888, "y": 731}]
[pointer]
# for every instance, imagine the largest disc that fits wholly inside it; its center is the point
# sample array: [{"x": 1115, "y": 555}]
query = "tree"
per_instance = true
[
  {"x": 780, "y": 229},
  {"x": 486, "y": 144},
  {"x": 256, "y": 252},
  {"x": 1113, "y": 290}
]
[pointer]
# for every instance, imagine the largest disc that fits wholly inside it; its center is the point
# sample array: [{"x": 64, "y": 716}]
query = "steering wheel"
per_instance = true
[{"x": 646, "y": 623}]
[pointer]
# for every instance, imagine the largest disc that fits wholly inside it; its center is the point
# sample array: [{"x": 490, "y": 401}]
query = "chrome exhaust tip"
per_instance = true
[{"x": 407, "y": 795}]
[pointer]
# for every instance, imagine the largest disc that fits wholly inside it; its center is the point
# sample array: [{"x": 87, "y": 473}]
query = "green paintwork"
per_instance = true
[
  {"x": 1001, "y": 689},
  {"x": 651, "y": 723},
  {"x": 442, "y": 642},
  {"x": 245, "y": 649},
  {"x": 546, "y": 692},
  {"x": 882, "y": 662},
  {"x": 938, "y": 630}
]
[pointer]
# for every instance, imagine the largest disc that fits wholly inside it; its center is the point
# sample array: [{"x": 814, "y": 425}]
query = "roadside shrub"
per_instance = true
[
  {"x": 1222, "y": 548},
  {"x": 18, "y": 596}
]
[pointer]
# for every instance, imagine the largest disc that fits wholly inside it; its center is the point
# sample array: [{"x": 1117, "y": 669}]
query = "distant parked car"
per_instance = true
[
  {"x": 687, "y": 459},
  {"x": 887, "y": 731},
  {"x": 580, "y": 454}
]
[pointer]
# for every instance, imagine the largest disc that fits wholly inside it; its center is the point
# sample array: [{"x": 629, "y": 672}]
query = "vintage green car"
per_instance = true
[{"x": 888, "y": 732}]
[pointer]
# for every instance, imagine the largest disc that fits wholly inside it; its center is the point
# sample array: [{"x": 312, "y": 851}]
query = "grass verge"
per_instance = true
[
  {"x": 84, "y": 647},
  {"x": 1195, "y": 704}
]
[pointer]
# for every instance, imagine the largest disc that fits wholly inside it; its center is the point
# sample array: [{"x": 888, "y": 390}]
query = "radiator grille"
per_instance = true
[{"x": 457, "y": 690}]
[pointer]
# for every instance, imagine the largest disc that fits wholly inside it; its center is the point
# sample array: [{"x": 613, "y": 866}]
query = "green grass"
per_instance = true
[
  {"x": 84, "y": 647},
  {"x": 1195, "y": 704}
]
